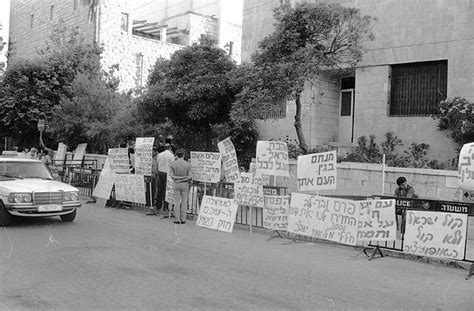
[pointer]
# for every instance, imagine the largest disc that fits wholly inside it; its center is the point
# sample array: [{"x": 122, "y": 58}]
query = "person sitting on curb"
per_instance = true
[{"x": 404, "y": 190}]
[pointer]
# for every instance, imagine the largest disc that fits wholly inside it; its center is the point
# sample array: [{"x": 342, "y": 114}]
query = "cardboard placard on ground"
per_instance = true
[
  {"x": 206, "y": 166},
  {"x": 317, "y": 171},
  {"x": 130, "y": 188},
  {"x": 435, "y": 234},
  {"x": 275, "y": 212},
  {"x": 217, "y": 213}
]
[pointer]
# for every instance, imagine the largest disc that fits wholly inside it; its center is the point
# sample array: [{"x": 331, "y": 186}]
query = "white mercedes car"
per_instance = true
[{"x": 27, "y": 189}]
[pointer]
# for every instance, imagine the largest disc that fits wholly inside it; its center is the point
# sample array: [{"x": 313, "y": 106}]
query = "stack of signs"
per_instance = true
[
  {"x": 144, "y": 155},
  {"x": 106, "y": 182},
  {"x": 79, "y": 154},
  {"x": 317, "y": 171},
  {"x": 119, "y": 160},
  {"x": 206, "y": 166},
  {"x": 248, "y": 190},
  {"x": 217, "y": 213},
  {"x": 436, "y": 234},
  {"x": 229, "y": 158},
  {"x": 324, "y": 218},
  {"x": 272, "y": 158},
  {"x": 275, "y": 212},
  {"x": 130, "y": 188},
  {"x": 376, "y": 221}
]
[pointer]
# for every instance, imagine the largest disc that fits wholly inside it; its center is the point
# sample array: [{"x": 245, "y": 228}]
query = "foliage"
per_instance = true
[
  {"x": 457, "y": 116},
  {"x": 294, "y": 149},
  {"x": 193, "y": 91},
  {"x": 309, "y": 40},
  {"x": 416, "y": 156}
]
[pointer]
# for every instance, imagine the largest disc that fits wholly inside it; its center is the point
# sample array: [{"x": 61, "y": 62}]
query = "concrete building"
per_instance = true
[
  {"x": 133, "y": 36},
  {"x": 4, "y": 32},
  {"x": 419, "y": 56}
]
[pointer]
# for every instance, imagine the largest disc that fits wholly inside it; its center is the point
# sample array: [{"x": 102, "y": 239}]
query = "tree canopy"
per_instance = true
[{"x": 309, "y": 41}]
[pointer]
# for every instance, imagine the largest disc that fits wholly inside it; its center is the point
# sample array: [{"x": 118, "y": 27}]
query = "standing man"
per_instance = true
[
  {"x": 180, "y": 172},
  {"x": 164, "y": 160}
]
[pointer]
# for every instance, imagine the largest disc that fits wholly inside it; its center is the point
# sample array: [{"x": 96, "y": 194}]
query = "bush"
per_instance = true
[{"x": 294, "y": 149}]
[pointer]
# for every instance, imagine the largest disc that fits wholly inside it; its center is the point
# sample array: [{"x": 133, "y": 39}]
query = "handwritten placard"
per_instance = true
[
  {"x": 249, "y": 190},
  {"x": 130, "y": 188},
  {"x": 377, "y": 220},
  {"x": 466, "y": 167},
  {"x": 275, "y": 212},
  {"x": 106, "y": 182},
  {"x": 435, "y": 234},
  {"x": 317, "y": 171},
  {"x": 79, "y": 154},
  {"x": 143, "y": 155},
  {"x": 60, "y": 154},
  {"x": 324, "y": 218},
  {"x": 118, "y": 160},
  {"x": 169, "y": 194},
  {"x": 272, "y": 158},
  {"x": 229, "y": 158},
  {"x": 206, "y": 166},
  {"x": 217, "y": 213}
]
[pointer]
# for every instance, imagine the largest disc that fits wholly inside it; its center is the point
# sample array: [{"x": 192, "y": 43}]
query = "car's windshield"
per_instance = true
[{"x": 23, "y": 170}]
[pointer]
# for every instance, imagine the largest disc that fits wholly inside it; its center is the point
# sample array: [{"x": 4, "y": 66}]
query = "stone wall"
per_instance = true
[{"x": 365, "y": 179}]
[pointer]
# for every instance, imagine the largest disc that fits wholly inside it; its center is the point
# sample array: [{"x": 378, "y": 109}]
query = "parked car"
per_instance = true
[{"x": 28, "y": 189}]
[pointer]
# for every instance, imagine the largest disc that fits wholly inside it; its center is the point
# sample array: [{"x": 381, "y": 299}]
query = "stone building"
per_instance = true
[
  {"x": 419, "y": 56},
  {"x": 131, "y": 38}
]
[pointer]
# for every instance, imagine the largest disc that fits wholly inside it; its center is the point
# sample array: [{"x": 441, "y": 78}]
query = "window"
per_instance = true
[
  {"x": 279, "y": 112},
  {"x": 417, "y": 88},
  {"x": 32, "y": 21},
  {"x": 346, "y": 103},
  {"x": 74, "y": 5},
  {"x": 51, "y": 12},
  {"x": 124, "y": 22}
]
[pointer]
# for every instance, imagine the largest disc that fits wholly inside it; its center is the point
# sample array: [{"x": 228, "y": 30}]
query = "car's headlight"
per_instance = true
[
  {"x": 71, "y": 196},
  {"x": 19, "y": 198}
]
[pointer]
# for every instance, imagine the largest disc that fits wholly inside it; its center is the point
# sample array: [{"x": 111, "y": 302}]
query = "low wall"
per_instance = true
[{"x": 361, "y": 179}]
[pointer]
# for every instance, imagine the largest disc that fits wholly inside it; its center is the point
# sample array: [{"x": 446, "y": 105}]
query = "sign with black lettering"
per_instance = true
[
  {"x": 118, "y": 160},
  {"x": 229, "y": 159},
  {"x": 249, "y": 190},
  {"x": 466, "y": 167},
  {"x": 317, "y": 171},
  {"x": 435, "y": 234},
  {"x": 217, "y": 213},
  {"x": 377, "y": 221},
  {"x": 130, "y": 188},
  {"x": 106, "y": 182},
  {"x": 144, "y": 155},
  {"x": 206, "y": 166},
  {"x": 324, "y": 218},
  {"x": 275, "y": 212},
  {"x": 272, "y": 158}
]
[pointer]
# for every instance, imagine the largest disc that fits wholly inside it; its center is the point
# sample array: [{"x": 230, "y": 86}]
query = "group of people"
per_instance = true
[
  {"x": 34, "y": 153},
  {"x": 164, "y": 163}
]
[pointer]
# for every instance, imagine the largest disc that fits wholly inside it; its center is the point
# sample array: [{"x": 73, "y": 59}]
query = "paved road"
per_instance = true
[{"x": 111, "y": 259}]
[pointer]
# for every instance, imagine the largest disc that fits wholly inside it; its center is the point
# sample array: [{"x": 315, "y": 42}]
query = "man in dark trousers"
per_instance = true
[{"x": 180, "y": 172}]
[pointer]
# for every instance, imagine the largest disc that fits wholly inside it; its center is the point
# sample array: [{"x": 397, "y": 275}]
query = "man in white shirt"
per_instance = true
[{"x": 164, "y": 160}]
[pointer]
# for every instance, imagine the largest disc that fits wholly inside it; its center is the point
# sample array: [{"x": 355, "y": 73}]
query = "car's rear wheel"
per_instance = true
[
  {"x": 5, "y": 216},
  {"x": 68, "y": 217}
]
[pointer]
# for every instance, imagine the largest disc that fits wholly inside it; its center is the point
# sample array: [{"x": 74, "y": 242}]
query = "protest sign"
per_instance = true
[
  {"x": 169, "y": 194},
  {"x": 272, "y": 158},
  {"x": 324, "y": 218},
  {"x": 143, "y": 155},
  {"x": 466, "y": 167},
  {"x": 217, "y": 213},
  {"x": 377, "y": 220},
  {"x": 229, "y": 158},
  {"x": 248, "y": 190},
  {"x": 317, "y": 171},
  {"x": 60, "y": 154},
  {"x": 130, "y": 188},
  {"x": 206, "y": 166},
  {"x": 118, "y": 160},
  {"x": 106, "y": 182},
  {"x": 79, "y": 154},
  {"x": 275, "y": 212},
  {"x": 435, "y": 234}
]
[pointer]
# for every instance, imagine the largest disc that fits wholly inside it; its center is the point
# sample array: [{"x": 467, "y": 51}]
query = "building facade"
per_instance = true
[{"x": 419, "y": 56}]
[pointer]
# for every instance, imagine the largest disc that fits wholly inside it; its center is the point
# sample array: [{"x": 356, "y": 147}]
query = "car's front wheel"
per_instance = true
[
  {"x": 68, "y": 217},
  {"x": 5, "y": 216}
]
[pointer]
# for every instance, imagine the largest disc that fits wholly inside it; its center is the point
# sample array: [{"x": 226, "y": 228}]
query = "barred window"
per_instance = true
[
  {"x": 418, "y": 88},
  {"x": 279, "y": 112}
]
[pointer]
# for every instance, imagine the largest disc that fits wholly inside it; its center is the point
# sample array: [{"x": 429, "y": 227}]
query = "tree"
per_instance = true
[
  {"x": 309, "y": 42},
  {"x": 193, "y": 91}
]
